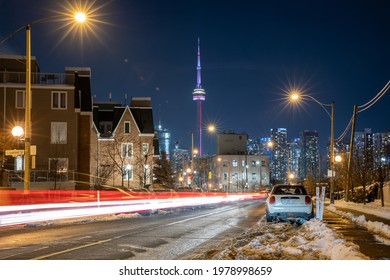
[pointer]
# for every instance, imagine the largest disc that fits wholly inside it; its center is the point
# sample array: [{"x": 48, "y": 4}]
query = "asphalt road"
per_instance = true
[{"x": 163, "y": 236}]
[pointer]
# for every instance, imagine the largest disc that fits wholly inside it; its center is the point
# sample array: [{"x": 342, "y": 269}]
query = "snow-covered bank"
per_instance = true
[
  {"x": 283, "y": 241},
  {"x": 373, "y": 208}
]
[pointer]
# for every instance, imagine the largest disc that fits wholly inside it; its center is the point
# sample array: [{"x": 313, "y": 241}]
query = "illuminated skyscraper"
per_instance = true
[{"x": 199, "y": 95}]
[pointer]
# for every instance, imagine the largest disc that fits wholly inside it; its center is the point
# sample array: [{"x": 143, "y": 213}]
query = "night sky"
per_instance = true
[{"x": 252, "y": 52}]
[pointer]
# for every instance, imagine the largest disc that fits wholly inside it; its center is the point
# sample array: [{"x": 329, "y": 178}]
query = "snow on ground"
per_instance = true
[
  {"x": 313, "y": 240},
  {"x": 284, "y": 241},
  {"x": 373, "y": 208}
]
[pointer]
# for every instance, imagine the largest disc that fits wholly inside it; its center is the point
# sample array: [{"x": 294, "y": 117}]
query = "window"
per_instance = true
[
  {"x": 234, "y": 163},
  {"x": 105, "y": 127},
  {"x": 58, "y": 100},
  {"x": 127, "y": 127},
  {"x": 59, "y": 166},
  {"x": 20, "y": 102},
  {"x": 127, "y": 150},
  {"x": 128, "y": 173},
  {"x": 253, "y": 163},
  {"x": 254, "y": 176},
  {"x": 59, "y": 132},
  {"x": 145, "y": 149},
  {"x": 147, "y": 174}
]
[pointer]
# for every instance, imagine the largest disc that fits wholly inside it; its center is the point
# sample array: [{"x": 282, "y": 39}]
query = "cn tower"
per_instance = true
[{"x": 199, "y": 95}]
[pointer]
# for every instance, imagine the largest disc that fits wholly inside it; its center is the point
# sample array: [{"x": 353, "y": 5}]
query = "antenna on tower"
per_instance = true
[{"x": 199, "y": 95}]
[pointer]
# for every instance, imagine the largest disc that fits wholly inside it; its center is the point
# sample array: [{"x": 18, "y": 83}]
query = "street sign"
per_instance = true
[{"x": 14, "y": 152}]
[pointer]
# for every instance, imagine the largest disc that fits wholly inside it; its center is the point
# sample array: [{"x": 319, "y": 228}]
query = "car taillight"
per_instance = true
[
  {"x": 271, "y": 199},
  {"x": 307, "y": 200}
]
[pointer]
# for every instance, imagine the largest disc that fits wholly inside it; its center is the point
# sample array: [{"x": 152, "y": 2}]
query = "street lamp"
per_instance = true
[
  {"x": 295, "y": 96},
  {"x": 17, "y": 131},
  {"x": 80, "y": 17}
]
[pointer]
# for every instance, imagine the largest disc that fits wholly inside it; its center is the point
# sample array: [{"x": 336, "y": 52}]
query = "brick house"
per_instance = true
[
  {"x": 126, "y": 144},
  {"x": 66, "y": 128}
]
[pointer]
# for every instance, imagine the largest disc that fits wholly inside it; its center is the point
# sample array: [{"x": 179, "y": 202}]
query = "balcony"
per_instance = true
[{"x": 37, "y": 78}]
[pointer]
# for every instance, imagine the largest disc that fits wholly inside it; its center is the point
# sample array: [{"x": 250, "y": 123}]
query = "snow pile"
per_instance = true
[
  {"x": 370, "y": 208},
  {"x": 284, "y": 241}
]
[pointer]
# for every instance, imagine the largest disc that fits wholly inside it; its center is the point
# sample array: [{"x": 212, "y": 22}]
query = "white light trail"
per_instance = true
[{"x": 23, "y": 214}]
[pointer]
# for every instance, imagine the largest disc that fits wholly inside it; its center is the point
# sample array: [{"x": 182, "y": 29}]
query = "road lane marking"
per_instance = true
[
  {"x": 22, "y": 253},
  {"x": 71, "y": 249},
  {"x": 197, "y": 217}
]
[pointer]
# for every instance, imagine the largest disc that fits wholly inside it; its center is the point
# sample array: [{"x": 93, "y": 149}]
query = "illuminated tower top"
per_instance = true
[{"x": 199, "y": 93}]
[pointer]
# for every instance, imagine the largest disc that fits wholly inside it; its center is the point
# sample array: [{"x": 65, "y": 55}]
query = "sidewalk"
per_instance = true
[{"x": 368, "y": 231}]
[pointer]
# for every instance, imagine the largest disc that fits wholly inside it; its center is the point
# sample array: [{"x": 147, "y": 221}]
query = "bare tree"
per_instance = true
[
  {"x": 129, "y": 157},
  {"x": 310, "y": 183},
  {"x": 58, "y": 160},
  {"x": 363, "y": 176}
]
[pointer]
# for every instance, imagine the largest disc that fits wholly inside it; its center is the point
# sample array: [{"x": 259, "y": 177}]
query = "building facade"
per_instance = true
[
  {"x": 61, "y": 115},
  {"x": 309, "y": 162},
  {"x": 74, "y": 141},
  {"x": 126, "y": 145}
]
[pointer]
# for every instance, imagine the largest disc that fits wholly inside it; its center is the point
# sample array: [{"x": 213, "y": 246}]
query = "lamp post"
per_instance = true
[
  {"x": 80, "y": 18},
  {"x": 295, "y": 96}
]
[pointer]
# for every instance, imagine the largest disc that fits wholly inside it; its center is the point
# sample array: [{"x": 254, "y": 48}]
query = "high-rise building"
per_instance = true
[
  {"x": 294, "y": 154},
  {"x": 309, "y": 159},
  {"x": 364, "y": 146},
  {"x": 199, "y": 95},
  {"x": 381, "y": 148},
  {"x": 164, "y": 140},
  {"x": 279, "y": 155}
]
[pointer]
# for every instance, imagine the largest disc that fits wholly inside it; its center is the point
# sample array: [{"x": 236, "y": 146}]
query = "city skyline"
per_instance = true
[{"x": 252, "y": 54}]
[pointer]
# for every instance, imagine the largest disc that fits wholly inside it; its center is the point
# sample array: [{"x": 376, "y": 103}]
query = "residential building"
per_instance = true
[
  {"x": 309, "y": 159},
  {"x": 279, "y": 155},
  {"x": 78, "y": 144},
  {"x": 125, "y": 144},
  {"x": 61, "y": 117}
]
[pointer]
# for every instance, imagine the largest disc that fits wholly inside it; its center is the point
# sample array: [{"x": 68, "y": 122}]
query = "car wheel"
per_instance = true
[{"x": 268, "y": 218}]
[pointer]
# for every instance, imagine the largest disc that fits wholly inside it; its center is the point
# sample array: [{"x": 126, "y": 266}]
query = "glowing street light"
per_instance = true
[
  {"x": 17, "y": 131},
  {"x": 295, "y": 96},
  {"x": 211, "y": 128},
  {"x": 79, "y": 17}
]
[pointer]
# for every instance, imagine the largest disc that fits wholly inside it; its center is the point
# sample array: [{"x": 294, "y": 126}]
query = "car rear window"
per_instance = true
[{"x": 289, "y": 190}]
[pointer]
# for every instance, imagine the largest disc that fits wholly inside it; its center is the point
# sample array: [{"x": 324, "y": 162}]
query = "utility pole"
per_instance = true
[{"x": 348, "y": 187}]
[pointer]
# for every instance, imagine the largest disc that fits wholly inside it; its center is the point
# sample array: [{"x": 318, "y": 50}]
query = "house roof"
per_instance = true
[{"x": 113, "y": 111}]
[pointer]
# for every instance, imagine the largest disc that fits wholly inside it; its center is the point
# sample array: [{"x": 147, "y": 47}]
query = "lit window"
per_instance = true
[
  {"x": 234, "y": 163},
  {"x": 145, "y": 149},
  {"x": 59, "y": 132},
  {"x": 128, "y": 173},
  {"x": 58, "y": 164}
]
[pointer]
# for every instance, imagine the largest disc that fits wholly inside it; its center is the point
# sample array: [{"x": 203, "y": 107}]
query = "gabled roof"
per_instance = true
[
  {"x": 142, "y": 114},
  {"x": 144, "y": 119}
]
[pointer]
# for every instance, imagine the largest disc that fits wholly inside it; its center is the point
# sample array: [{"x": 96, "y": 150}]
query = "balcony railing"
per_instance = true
[
  {"x": 37, "y": 78},
  {"x": 41, "y": 176}
]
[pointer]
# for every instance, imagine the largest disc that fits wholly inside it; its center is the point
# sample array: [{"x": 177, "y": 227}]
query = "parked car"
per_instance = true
[{"x": 287, "y": 202}]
